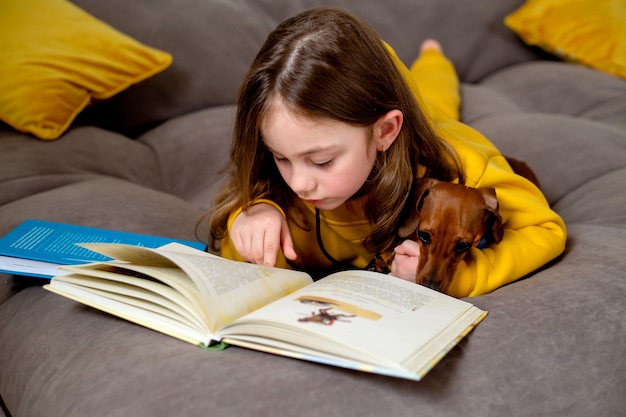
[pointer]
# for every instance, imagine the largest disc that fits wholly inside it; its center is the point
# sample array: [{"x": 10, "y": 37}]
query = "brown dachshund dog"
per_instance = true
[{"x": 447, "y": 220}]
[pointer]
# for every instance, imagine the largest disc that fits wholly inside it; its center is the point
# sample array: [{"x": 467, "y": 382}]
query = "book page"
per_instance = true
[
  {"x": 156, "y": 317},
  {"x": 169, "y": 287},
  {"x": 362, "y": 316},
  {"x": 37, "y": 269},
  {"x": 229, "y": 289}
]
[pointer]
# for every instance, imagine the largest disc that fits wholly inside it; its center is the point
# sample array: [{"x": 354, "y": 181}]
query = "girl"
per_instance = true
[{"x": 330, "y": 135}]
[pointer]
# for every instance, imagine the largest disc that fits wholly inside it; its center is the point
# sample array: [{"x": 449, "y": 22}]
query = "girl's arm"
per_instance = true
[{"x": 533, "y": 233}]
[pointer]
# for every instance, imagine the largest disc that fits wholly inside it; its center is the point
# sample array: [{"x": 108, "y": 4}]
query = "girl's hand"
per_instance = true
[
  {"x": 406, "y": 260},
  {"x": 259, "y": 232}
]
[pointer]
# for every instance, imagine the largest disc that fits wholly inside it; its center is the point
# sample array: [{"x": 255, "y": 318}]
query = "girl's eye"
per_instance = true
[
  {"x": 323, "y": 164},
  {"x": 279, "y": 159}
]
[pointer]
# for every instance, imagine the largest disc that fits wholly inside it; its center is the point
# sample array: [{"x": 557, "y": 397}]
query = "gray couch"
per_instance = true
[{"x": 147, "y": 161}]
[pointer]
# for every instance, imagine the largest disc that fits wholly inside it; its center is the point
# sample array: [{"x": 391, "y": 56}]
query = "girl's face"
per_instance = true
[{"x": 324, "y": 162}]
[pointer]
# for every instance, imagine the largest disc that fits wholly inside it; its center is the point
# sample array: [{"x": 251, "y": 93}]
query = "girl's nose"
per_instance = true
[{"x": 302, "y": 182}]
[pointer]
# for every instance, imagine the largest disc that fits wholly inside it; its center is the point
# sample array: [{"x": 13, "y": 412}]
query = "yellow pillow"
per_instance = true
[
  {"x": 55, "y": 58},
  {"x": 591, "y": 32}
]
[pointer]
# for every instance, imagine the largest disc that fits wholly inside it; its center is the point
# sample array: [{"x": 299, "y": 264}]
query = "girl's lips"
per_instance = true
[
  {"x": 316, "y": 202},
  {"x": 324, "y": 204}
]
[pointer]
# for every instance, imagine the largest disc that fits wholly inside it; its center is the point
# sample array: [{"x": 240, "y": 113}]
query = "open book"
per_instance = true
[{"x": 355, "y": 319}]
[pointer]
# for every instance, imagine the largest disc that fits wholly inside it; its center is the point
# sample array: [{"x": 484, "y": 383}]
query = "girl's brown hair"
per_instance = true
[{"x": 327, "y": 63}]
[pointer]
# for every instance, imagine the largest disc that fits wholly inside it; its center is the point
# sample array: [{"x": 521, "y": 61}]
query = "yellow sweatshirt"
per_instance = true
[{"x": 533, "y": 233}]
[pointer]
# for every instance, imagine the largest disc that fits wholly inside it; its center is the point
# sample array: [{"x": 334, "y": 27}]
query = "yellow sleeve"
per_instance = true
[
  {"x": 227, "y": 248},
  {"x": 533, "y": 233}
]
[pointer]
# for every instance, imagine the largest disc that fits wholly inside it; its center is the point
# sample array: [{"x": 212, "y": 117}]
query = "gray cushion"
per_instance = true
[
  {"x": 548, "y": 347},
  {"x": 213, "y": 43},
  {"x": 552, "y": 344}
]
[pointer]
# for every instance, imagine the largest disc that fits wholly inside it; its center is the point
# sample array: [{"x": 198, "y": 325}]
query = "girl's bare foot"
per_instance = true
[{"x": 429, "y": 44}]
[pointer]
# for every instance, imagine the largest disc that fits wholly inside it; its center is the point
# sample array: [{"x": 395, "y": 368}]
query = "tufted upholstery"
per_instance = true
[{"x": 148, "y": 160}]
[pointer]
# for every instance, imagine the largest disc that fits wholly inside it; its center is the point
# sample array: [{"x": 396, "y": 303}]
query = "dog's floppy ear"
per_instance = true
[
  {"x": 493, "y": 220},
  {"x": 421, "y": 188}
]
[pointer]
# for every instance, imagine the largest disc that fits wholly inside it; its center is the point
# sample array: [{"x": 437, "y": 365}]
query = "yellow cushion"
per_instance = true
[
  {"x": 55, "y": 58},
  {"x": 591, "y": 32}
]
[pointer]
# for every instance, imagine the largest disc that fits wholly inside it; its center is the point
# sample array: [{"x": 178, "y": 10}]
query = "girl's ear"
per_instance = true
[{"x": 387, "y": 128}]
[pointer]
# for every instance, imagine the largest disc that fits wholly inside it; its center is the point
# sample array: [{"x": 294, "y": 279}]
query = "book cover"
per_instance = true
[{"x": 36, "y": 247}]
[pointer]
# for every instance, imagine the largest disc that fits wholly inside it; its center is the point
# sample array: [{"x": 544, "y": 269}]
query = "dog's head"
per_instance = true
[{"x": 447, "y": 220}]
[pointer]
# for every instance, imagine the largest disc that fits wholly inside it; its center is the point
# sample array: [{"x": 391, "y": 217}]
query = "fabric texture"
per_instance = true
[
  {"x": 207, "y": 73},
  {"x": 591, "y": 32},
  {"x": 552, "y": 344},
  {"x": 56, "y": 59}
]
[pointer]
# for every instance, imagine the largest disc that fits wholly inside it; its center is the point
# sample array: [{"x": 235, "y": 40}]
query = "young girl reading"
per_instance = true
[{"x": 332, "y": 130}]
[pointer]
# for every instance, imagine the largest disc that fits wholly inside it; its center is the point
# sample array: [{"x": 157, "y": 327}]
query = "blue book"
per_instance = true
[{"x": 36, "y": 247}]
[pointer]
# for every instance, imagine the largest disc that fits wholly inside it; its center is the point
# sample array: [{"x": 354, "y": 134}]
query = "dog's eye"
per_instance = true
[
  {"x": 424, "y": 237},
  {"x": 462, "y": 247}
]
